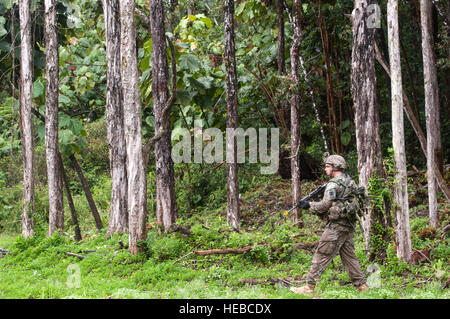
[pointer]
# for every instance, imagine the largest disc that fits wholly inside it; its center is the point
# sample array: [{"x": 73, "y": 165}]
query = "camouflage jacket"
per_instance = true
[{"x": 330, "y": 208}]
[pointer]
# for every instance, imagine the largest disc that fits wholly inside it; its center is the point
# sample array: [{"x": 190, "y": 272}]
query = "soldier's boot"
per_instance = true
[
  {"x": 362, "y": 288},
  {"x": 305, "y": 290}
]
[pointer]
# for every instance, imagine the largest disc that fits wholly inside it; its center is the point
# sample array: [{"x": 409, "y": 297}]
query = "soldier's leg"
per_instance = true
[
  {"x": 328, "y": 248},
  {"x": 351, "y": 263}
]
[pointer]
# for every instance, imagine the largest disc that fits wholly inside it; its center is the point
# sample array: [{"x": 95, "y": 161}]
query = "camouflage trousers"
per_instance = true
[{"x": 336, "y": 239}]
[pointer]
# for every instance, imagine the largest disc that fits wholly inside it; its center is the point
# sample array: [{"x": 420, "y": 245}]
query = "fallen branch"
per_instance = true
[
  {"x": 74, "y": 255},
  {"x": 181, "y": 229},
  {"x": 281, "y": 281},
  {"x": 223, "y": 251},
  {"x": 182, "y": 257}
]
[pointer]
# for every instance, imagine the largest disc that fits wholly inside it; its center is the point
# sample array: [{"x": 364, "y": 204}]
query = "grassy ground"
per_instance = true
[{"x": 39, "y": 267}]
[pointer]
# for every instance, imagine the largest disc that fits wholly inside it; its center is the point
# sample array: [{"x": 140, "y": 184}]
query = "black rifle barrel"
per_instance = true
[{"x": 314, "y": 194}]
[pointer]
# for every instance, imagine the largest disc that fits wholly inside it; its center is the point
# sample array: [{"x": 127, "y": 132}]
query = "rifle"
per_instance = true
[{"x": 314, "y": 194}]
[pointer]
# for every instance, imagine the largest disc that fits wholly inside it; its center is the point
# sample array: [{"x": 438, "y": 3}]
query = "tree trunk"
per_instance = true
[
  {"x": 363, "y": 89},
  {"x": 118, "y": 213},
  {"x": 417, "y": 129},
  {"x": 66, "y": 185},
  {"x": 334, "y": 136},
  {"x": 55, "y": 187},
  {"x": 73, "y": 213},
  {"x": 398, "y": 138},
  {"x": 308, "y": 84},
  {"x": 13, "y": 94},
  {"x": 295, "y": 105},
  {"x": 87, "y": 193},
  {"x": 166, "y": 211},
  {"x": 281, "y": 67},
  {"x": 137, "y": 187},
  {"x": 26, "y": 122},
  {"x": 434, "y": 150},
  {"x": 233, "y": 215}
]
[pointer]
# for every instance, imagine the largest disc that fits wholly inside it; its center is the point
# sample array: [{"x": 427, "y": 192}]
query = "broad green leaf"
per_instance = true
[
  {"x": 196, "y": 85},
  {"x": 2, "y": 26},
  {"x": 64, "y": 120},
  {"x": 240, "y": 8},
  {"x": 345, "y": 138},
  {"x": 206, "y": 81},
  {"x": 75, "y": 126},
  {"x": 64, "y": 99},
  {"x": 183, "y": 97},
  {"x": 207, "y": 22},
  {"x": 150, "y": 120},
  {"x": 38, "y": 89},
  {"x": 148, "y": 46},
  {"x": 345, "y": 124},
  {"x": 65, "y": 136},
  {"x": 189, "y": 62}
]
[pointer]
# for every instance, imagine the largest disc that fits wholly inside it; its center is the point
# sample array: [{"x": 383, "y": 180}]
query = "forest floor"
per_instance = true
[{"x": 271, "y": 254}]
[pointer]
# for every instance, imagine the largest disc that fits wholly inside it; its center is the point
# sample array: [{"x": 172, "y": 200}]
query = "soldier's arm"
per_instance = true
[{"x": 325, "y": 204}]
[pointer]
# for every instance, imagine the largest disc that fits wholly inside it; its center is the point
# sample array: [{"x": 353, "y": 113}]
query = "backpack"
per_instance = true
[{"x": 352, "y": 201}]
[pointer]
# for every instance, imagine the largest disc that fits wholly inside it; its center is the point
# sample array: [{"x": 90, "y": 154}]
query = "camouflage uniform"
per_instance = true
[{"x": 337, "y": 237}]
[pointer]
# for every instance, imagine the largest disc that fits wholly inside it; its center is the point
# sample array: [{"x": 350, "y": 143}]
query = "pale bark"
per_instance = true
[
  {"x": 363, "y": 88},
  {"x": 281, "y": 67},
  {"x": 118, "y": 213},
  {"x": 295, "y": 106},
  {"x": 431, "y": 108},
  {"x": 401, "y": 206},
  {"x": 137, "y": 187},
  {"x": 233, "y": 214},
  {"x": 55, "y": 185},
  {"x": 166, "y": 211},
  {"x": 26, "y": 122},
  {"x": 310, "y": 88},
  {"x": 417, "y": 129}
]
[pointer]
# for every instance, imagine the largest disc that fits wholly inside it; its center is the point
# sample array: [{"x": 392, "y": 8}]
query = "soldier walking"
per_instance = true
[{"x": 337, "y": 237}]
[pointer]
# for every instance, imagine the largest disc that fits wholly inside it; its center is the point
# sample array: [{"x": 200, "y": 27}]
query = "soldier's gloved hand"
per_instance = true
[{"x": 303, "y": 204}]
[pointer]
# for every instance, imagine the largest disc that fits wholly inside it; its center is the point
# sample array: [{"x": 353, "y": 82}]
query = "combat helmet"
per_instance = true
[{"x": 337, "y": 161}]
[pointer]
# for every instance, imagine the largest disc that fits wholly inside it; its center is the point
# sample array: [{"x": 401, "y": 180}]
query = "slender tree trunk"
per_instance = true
[
  {"x": 66, "y": 185},
  {"x": 281, "y": 67},
  {"x": 26, "y": 121},
  {"x": 363, "y": 88},
  {"x": 137, "y": 187},
  {"x": 73, "y": 212},
  {"x": 87, "y": 193},
  {"x": 334, "y": 136},
  {"x": 441, "y": 12},
  {"x": 398, "y": 137},
  {"x": 55, "y": 187},
  {"x": 118, "y": 212},
  {"x": 306, "y": 80},
  {"x": 13, "y": 94},
  {"x": 434, "y": 149},
  {"x": 233, "y": 215},
  {"x": 166, "y": 211},
  {"x": 417, "y": 129},
  {"x": 295, "y": 106}
]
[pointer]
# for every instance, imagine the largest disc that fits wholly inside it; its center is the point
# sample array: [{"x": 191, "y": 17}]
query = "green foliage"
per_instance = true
[{"x": 38, "y": 267}]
